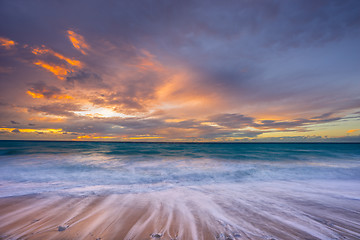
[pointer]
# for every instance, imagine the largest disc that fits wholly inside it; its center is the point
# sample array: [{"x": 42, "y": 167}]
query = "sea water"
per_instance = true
[
  {"x": 81, "y": 168},
  {"x": 109, "y": 190}
]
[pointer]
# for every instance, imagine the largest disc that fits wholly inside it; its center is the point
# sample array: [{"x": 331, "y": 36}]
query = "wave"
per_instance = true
[
  {"x": 105, "y": 174},
  {"x": 274, "y": 210}
]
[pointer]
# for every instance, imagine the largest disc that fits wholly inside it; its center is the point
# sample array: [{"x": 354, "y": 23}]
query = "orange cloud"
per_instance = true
[
  {"x": 39, "y": 51},
  {"x": 62, "y": 97},
  {"x": 175, "y": 120},
  {"x": 93, "y": 137},
  {"x": 40, "y": 95},
  {"x": 47, "y": 119},
  {"x": 7, "y": 43},
  {"x": 31, "y": 130},
  {"x": 148, "y": 62},
  {"x": 139, "y": 138},
  {"x": 353, "y": 130},
  {"x": 85, "y": 136},
  {"x": 35, "y": 95},
  {"x": 57, "y": 70},
  {"x": 78, "y": 41}
]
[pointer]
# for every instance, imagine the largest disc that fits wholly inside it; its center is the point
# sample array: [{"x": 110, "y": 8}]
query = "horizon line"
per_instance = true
[{"x": 172, "y": 142}]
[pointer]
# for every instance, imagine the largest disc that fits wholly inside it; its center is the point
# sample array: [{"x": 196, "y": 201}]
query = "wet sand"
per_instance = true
[{"x": 273, "y": 210}]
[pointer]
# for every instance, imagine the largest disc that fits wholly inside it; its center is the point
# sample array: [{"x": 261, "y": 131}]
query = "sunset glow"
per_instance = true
[
  {"x": 219, "y": 75},
  {"x": 171, "y": 119}
]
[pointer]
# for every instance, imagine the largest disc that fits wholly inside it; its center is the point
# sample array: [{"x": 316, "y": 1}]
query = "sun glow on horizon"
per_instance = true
[{"x": 100, "y": 112}]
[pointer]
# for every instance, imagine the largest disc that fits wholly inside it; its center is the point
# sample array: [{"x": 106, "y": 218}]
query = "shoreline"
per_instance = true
[{"x": 233, "y": 211}]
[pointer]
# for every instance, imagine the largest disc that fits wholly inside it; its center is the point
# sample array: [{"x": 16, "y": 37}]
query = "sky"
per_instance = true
[{"x": 203, "y": 71}]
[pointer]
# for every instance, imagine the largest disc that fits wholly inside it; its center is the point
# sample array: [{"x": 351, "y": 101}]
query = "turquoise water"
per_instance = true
[{"x": 30, "y": 167}]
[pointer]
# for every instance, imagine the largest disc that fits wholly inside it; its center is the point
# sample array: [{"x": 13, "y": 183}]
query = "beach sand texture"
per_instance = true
[{"x": 277, "y": 210}]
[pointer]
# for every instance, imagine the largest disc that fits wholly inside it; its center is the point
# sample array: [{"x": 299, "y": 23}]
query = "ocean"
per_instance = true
[
  {"x": 28, "y": 167},
  {"x": 302, "y": 190}
]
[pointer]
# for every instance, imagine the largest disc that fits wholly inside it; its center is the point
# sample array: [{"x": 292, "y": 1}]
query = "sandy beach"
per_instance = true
[{"x": 277, "y": 210}]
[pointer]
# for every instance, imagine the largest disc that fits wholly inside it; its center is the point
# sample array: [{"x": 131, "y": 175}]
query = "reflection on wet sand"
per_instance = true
[{"x": 272, "y": 210}]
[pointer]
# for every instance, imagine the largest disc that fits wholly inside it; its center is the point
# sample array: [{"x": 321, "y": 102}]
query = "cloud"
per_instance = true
[
  {"x": 14, "y": 122},
  {"x": 54, "y": 62},
  {"x": 90, "y": 127},
  {"x": 41, "y": 90},
  {"x": 32, "y": 130},
  {"x": 181, "y": 70},
  {"x": 44, "y": 57},
  {"x": 232, "y": 120},
  {"x": 58, "y": 70},
  {"x": 134, "y": 86},
  {"x": 46, "y": 51},
  {"x": 235, "y": 121},
  {"x": 230, "y": 135},
  {"x": 86, "y": 77},
  {"x": 295, "y": 123},
  {"x": 352, "y": 130},
  {"x": 57, "y": 109},
  {"x": 345, "y": 139},
  {"x": 87, "y": 137},
  {"x": 7, "y": 43},
  {"x": 78, "y": 42}
]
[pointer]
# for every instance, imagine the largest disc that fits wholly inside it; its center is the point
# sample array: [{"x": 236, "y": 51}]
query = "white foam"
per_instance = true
[{"x": 276, "y": 209}]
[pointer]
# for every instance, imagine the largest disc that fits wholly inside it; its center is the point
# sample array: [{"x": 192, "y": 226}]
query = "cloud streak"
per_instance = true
[
  {"x": 78, "y": 42},
  {"x": 41, "y": 90},
  {"x": 7, "y": 43}
]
